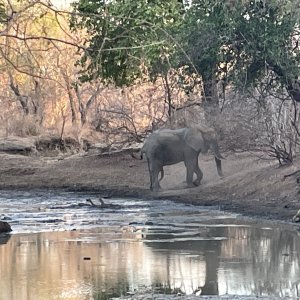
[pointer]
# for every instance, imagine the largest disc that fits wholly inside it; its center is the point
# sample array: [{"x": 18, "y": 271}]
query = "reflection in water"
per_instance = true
[
  {"x": 263, "y": 262},
  {"x": 106, "y": 262},
  {"x": 4, "y": 237},
  {"x": 182, "y": 248}
]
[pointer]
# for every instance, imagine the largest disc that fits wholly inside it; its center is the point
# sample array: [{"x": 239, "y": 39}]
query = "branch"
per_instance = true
[
  {"x": 15, "y": 14},
  {"x": 291, "y": 174},
  {"x": 51, "y": 39},
  {"x": 26, "y": 72}
]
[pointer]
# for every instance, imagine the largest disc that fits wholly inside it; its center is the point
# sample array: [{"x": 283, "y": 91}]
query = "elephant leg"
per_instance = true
[
  {"x": 190, "y": 166},
  {"x": 155, "y": 182},
  {"x": 199, "y": 175},
  {"x": 154, "y": 171},
  {"x": 150, "y": 174}
]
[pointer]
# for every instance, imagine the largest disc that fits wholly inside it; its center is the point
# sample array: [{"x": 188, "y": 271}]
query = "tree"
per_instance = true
[
  {"x": 232, "y": 41},
  {"x": 128, "y": 39},
  {"x": 3, "y": 16},
  {"x": 243, "y": 42},
  {"x": 35, "y": 42}
]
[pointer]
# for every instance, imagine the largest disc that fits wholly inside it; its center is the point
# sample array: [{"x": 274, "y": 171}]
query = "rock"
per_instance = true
[
  {"x": 5, "y": 218},
  {"x": 149, "y": 223},
  {"x": 100, "y": 147},
  {"x": 17, "y": 145},
  {"x": 53, "y": 143},
  {"x": 133, "y": 146},
  {"x": 133, "y": 223},
  {"x": 4, "y": 227}
]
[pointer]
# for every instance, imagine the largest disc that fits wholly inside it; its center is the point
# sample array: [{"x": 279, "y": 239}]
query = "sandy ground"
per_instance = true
[{"x": 251, "y": 186}]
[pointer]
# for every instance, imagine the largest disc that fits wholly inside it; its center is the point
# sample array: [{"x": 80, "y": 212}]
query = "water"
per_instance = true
[{"x": 62, "y": 249}]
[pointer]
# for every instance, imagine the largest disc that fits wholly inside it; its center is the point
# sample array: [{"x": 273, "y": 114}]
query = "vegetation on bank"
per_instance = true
[{"x": 111, "y": 71}]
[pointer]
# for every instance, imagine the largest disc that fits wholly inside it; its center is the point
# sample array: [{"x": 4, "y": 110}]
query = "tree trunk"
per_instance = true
[
  {"x": 83, "y": 108},
  {"x": 83, "y": 113},
  {"x": 168, "y": 95},
  {"x": 210, "y": 104},
  {"x": 294, "y": 90},
  {"x": 70, "y": 96},
  {"x": 23, "y": 99},
  {"x": 292, "y": 85},
  {"x": 210, "y": 91},
  {"x": 72, "y": 106},
  {"x": 210, "y": 101}
]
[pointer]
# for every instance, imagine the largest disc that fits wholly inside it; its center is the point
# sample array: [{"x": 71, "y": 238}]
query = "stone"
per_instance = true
[
  {"x": 4, "y": 227},
  {"x": 17, "y": 145}
]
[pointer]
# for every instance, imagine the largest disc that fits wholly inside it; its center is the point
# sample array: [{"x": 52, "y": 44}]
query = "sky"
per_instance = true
[{"x": 61, "y": 3}]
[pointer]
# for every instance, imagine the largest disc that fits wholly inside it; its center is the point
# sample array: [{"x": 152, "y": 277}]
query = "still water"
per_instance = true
[{"x": 61, "y": 249}]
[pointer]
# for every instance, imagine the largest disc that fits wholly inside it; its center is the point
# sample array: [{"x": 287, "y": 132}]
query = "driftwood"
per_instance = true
[
  {"x": 292, "y": 174},
  {"x": 88, "y": 203},
  {"x": 296, "y": 217},
  {"x": 72, "y": 206},
  {"x": 102, "y": 204},
  {"x": 118, "y": 152}
]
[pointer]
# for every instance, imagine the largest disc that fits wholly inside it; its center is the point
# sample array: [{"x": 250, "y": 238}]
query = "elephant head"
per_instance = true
[{"x": 201, "y": 140}]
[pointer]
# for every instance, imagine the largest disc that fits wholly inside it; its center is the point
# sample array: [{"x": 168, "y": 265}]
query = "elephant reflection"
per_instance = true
[{"x": 207, "y": 251}]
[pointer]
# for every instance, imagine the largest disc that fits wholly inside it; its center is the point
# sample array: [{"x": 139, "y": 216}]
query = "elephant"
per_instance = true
[{"x": 170, "y": 146}]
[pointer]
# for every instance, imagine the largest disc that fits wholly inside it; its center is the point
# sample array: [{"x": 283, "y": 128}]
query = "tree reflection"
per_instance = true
[
  {"x": 266, "y": 261},
  {"x": 207, "y": 250},
  {"x": 210, "y": 260}
]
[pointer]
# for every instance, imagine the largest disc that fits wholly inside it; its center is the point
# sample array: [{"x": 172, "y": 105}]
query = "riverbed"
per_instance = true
[{"x": 61, "y": 247}]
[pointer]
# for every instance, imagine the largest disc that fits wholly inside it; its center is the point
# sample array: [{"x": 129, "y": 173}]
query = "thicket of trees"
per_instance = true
[{"x": 116, "y": 69}]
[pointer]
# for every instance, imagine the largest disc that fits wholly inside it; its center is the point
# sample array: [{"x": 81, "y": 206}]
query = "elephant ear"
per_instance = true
[
  {"x": 168, "y": 136},
  {"x": 193, "y": 138}
]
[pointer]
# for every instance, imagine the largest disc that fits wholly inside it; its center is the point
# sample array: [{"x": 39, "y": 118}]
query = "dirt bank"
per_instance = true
[{"x": 251, "y": 186}]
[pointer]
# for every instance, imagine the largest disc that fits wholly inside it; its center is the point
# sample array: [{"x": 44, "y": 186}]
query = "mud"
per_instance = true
[{"x": 251, "y": 186}]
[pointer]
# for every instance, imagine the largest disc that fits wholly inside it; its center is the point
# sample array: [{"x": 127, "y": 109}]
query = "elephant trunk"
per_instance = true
[
  {"x": 218, "y": 157},
  {"x": 215, "y": 149},
  {"x": 219, "y": 166}
]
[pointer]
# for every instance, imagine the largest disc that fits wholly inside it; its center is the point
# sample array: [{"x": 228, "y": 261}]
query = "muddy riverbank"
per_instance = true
[{"x": 251, "y": 186}]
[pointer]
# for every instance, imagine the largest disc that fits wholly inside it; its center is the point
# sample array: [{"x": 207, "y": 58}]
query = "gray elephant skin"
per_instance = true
[{"x": 170, "y": 146}]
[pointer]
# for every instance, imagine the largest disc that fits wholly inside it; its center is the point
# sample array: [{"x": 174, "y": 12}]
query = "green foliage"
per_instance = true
[
  {"x": 3, "y": 15},
  {"x": 240, "y": 40},
  {"x": 127, "y": 38},
  {"x": 264, "y": 39},
  {"x": 202, "y": 32}
]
